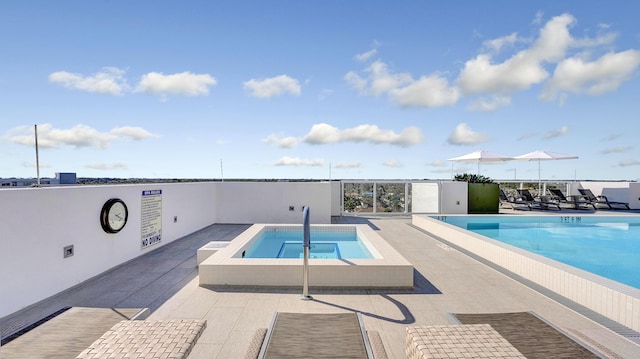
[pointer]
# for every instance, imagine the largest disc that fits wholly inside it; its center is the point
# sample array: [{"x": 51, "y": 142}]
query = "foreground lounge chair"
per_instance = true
[
  {"x": 513, "y": 203},
  {"x": 601, "y": 200},
  {"x": 316, "y": 335},
  {"x": 574, "y": 201},
  {"x": 539, "y": 203}
]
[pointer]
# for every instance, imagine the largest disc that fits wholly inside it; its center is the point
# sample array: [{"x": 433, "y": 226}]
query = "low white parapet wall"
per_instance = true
[
  {"x": 611, "y": 299},
  {"x": 52, "y": 238}
]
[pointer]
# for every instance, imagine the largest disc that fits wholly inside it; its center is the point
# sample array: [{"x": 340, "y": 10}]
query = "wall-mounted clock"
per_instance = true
[{"x": 113, "y": 216}]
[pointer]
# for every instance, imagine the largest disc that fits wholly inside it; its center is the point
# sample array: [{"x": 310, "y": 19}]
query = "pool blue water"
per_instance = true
[
  {"x": 608, "y": 246},
  {"x": 324, "y": 245}
]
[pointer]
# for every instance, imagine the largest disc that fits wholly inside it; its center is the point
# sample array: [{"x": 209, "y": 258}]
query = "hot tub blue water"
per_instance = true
[
  {"x": 324, "y": 245},
  {"x": 317, "y": 250},
  {"x": 608, "y": 246}
]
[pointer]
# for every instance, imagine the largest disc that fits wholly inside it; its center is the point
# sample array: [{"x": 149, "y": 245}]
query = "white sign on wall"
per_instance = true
[{"x": 151, "y": 218}]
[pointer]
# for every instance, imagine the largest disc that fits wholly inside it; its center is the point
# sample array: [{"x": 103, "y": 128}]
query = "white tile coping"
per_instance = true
[
  {"x": 210, "y": 248},
  {"x": 386, "y": 270}
]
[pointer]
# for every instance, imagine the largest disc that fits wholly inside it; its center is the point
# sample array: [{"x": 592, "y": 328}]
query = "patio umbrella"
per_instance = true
[
  {"x": 481, "y": 156},
  {"x": 543, "y": 156}
]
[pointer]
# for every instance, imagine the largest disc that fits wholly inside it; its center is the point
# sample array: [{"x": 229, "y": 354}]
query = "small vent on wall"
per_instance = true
[{"x": 68, "y": 251}]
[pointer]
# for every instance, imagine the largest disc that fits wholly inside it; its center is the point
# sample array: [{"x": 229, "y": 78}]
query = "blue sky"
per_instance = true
[{"x": 313, "y": 89}]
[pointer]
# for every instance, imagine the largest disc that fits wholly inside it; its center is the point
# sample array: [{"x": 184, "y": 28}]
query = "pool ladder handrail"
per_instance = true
[{"x": 306, "y": 244}]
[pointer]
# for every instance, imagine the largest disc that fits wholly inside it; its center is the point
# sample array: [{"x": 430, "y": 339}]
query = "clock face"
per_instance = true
[{"x": 114, "y": 215}]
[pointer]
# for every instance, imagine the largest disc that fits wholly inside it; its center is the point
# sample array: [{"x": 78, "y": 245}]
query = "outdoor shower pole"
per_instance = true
[{"x": 306, "y": 244}]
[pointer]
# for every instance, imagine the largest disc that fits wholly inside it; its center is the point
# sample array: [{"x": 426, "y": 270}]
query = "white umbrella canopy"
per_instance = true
[
  {"x": 540, "y": 155},
  {"x": 481, "y": 156}
]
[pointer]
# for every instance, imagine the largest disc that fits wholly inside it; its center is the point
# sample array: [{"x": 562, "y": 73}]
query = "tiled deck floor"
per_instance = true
[{"x": 447, "y": 281}]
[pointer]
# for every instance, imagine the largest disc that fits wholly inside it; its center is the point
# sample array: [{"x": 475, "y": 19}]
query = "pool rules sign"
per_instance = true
[{"x": 151, "y": 218}]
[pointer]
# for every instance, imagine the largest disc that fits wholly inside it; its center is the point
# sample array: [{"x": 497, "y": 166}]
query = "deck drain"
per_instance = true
[{"x": 445, "y": 247}]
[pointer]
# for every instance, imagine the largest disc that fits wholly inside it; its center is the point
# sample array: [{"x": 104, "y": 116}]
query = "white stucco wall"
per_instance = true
[
  {"x": 336, "y": 198},
  {"x": 614, "y": 191},
  {"x": 439, "y": 197},
  {"x": 634, "y": 195},
  {"x": 425, "y": 197},
  {"x": 269, "y": 202},
  {"x": 37, "y": 223}
]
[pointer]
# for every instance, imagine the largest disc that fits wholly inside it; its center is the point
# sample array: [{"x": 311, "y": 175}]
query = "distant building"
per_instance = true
[
  {"x": 62, "y": 178},
  {"x": 66, "y": 178}
]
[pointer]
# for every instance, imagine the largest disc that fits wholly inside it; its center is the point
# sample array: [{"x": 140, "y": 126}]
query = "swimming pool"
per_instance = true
[
  {"x": 611, "y": 298},
  {"x": 287, "y": 243},
  {"x": 608, "y": 246}
]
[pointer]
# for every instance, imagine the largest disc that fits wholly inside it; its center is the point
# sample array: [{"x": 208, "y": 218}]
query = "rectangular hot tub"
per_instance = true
[{"x": 385, "y": 267}]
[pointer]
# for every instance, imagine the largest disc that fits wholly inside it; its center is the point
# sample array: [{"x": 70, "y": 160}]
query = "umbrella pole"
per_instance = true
[{"x": 539, "y": 180}]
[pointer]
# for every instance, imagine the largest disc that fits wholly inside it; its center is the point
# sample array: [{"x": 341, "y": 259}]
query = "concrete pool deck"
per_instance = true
[{"x": 446, "y": 281}]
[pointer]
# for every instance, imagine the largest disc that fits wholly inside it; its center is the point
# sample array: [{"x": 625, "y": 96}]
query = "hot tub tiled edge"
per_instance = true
[{"x": 227, "y": 267}]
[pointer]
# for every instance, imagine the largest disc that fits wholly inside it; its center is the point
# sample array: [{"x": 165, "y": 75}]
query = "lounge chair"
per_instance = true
[
  {"x": 513, "y": 203},
  {"x": 574, "y": 201},
  {"x": 543, "y": 202},
  {"x": 322, "y": 335},
  {"x": 601, "y": 200}
]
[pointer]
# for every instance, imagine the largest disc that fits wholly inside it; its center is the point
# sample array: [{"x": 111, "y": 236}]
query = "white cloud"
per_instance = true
[
  {"x": 33, "y": 164},
  {"x": 497, "y": 44},
  {"x": 440, "y": 167},
  {"x": 628, "y": 163},
  {"x": 392, "y": 163},
  {"x": 131, "y": 132},
  {"x": 431, "y": 91},
  {"x": 603, "y": 75},
  {"x": 480, "y": 75},
  {"x": 537, "y": 20},
  {"x": 527, "y": 136},
  {"x": 346, "y": 165},
  {"x": 107, "y": 166},
  {"x": 612, "y": 137},
  {"x": 438, "y": 163},
  {"x": 78, "y": 136},
  {"x": 323, "y": 133},
  {"x": 356, "y": 82},
  {"x": 554, "y": 39},
  {"x": 621, "y": 149},
  {"x": 464, "y": 135},
  {"x": 600, "y": 40},
  {"x": 485, "y": 74},
  {"x": 557, "y": 133},
  {"x": 186, "y": 83},
  {"x": 490, "y": 104},
  {"x": 274, "y": 86},
  {"x": 108, "y": 81},
  {"x": 518, "y": 73},
  {"x": 381, "y": 80},
  {"x": 297, "y": 162},
  {"x": 523, "y": 69},
  {"x": 366, "y": 55},
  {"x": 284, "y": 142},
  {"x": 428, "y": 91}
]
